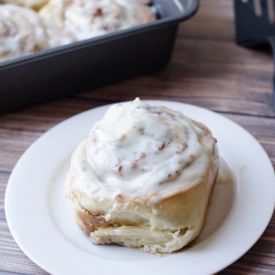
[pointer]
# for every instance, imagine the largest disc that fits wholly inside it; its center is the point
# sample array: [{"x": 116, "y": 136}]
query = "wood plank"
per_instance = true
[
  {"x": 214, "y": 20},
  {"x": 232, "y": 79}
]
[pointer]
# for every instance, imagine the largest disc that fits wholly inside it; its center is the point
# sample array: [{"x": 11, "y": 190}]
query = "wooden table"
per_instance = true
[{"x": 207, "y": 69}]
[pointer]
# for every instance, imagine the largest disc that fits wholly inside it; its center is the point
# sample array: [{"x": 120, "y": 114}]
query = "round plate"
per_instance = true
[{"x": 44, "y": 229}]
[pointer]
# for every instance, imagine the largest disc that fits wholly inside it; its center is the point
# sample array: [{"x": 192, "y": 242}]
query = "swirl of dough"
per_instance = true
[
  {"x": 142, "y": 149},
  {"x": 67, "y": 21},
  {"x": 33, "y": 4},
  {"x": 20, "y": 32}
]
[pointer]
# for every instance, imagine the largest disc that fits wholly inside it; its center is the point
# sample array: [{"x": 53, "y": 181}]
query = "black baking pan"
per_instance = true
[{"x": 82, "y": 66}]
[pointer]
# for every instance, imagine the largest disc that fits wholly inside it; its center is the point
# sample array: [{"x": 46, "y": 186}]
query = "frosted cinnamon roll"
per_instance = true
[
  {"x": 67, "y": 21},
  {"x": 20, "y": 32},
  {"x": 143, "y": 178},
  {"x": 33, "y": 4}
]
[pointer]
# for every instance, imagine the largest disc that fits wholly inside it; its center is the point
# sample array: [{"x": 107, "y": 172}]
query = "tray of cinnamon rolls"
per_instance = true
[{"x": 55, "y": 48}]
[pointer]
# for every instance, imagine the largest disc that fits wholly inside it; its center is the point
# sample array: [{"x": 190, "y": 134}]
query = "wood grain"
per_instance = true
[{"x": 207, "y": 69}]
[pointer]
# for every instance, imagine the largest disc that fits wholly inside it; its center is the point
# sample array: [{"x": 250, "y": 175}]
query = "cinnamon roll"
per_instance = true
[
  {"x": 143, "y": 178},
  {"x": 20, "y": 32},
  {"x": 67, "y": 21}
]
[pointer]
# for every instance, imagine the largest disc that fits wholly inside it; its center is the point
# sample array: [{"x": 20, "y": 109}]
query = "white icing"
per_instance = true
[
  {"x": 20, "y": 32},
  {"x": 75, "y": 20},
  {"x": 137, "y": 149}
]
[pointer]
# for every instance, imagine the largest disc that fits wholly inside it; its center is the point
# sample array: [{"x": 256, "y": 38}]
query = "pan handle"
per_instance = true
[
  {"x": 271, "y": 40},
  {"x": 187, "y": 7}
]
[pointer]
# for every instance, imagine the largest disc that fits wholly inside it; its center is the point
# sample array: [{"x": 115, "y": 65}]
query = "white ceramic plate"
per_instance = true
[{"x": 38, "y": 217}]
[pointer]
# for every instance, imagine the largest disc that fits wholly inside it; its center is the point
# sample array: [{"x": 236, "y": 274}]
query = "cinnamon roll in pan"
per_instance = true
[
  {"x": 20, "y": 32},
  {"x": 67, "y": 21},
  {"x": 143, "y": 178}
]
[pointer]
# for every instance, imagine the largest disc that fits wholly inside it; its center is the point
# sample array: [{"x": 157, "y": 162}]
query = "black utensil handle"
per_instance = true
[
  {"x": 271, "y": 40},
  {"x": 273, "y": 89}
]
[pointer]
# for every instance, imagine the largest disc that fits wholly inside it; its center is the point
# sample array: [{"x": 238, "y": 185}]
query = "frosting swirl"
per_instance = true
[{"x": 143, "y": 149}]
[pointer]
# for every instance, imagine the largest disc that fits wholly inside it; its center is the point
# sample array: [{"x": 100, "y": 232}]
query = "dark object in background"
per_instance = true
[
  {"x": 81, "y": 66},
  {"x": 255, "y": 25}
]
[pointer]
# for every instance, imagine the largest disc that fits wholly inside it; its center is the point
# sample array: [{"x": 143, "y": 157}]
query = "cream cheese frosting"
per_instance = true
[{"x": 142, "y": 150}]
